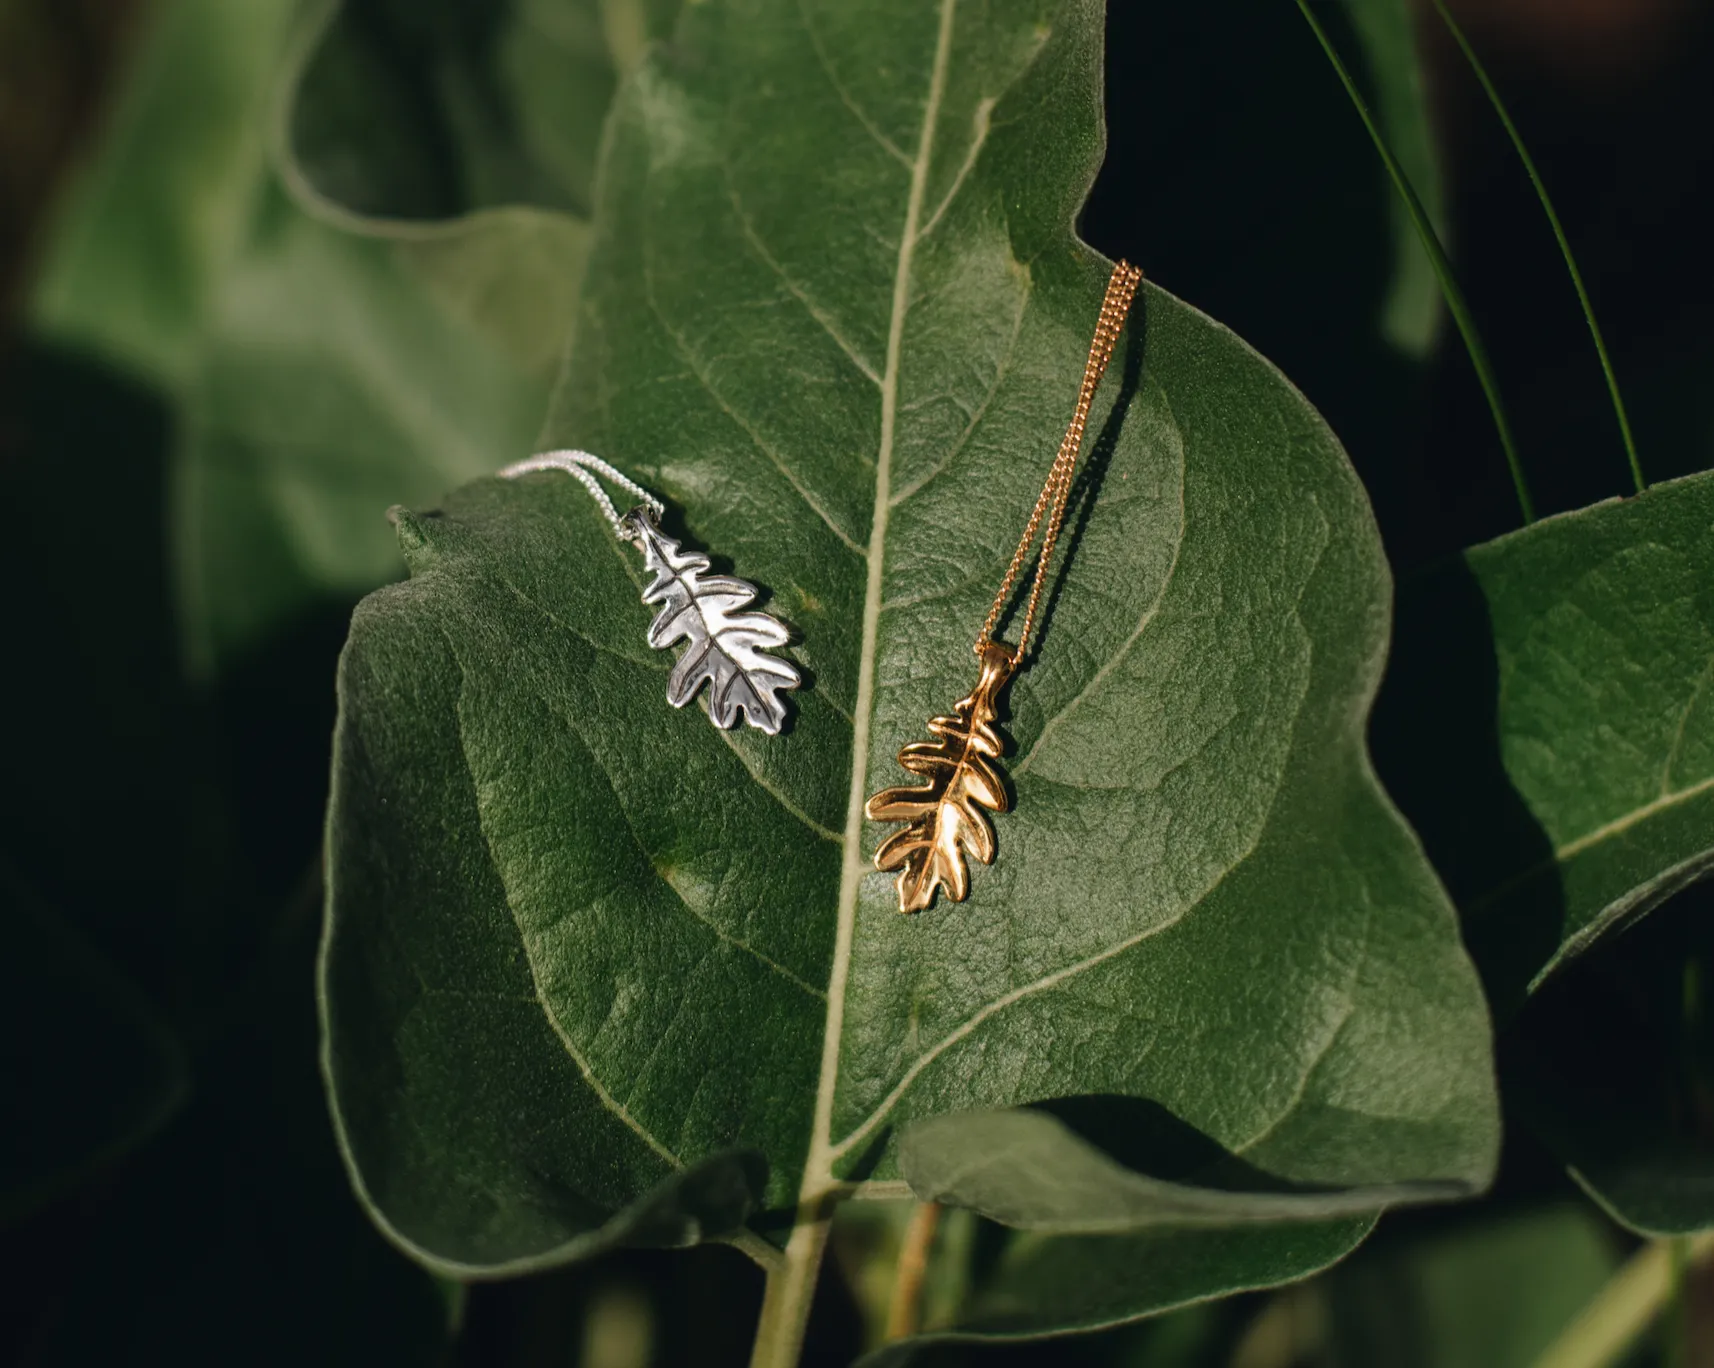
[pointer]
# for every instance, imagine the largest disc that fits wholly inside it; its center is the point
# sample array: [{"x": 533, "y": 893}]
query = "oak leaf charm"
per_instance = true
[
  {"x": 728, "y": 648},
  {"x": 944, "y": 818}
]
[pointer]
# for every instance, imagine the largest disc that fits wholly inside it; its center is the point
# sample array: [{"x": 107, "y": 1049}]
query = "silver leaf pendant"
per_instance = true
[{"x": 727, "y": 648}]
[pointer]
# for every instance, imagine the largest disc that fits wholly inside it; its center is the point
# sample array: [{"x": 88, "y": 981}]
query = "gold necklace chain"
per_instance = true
[
  {"x": 1121, "y": 289},
  {"x": 946, "y": 816}
]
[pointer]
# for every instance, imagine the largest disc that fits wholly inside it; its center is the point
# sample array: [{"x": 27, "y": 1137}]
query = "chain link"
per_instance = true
[
  {"x": 584, "y": 467},
  {"x": 1056, "y": 490}
]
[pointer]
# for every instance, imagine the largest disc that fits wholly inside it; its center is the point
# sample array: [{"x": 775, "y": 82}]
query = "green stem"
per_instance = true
[
  {"x": 1678, "y": 1322},
  {"x": 790, "y": 1290},
  {"x": 1455, "y": 302},
  {"x": 1625, "y": 1307},
  {"x": 1559, "y": 235},
  {"x": 904, "y": 1315}
]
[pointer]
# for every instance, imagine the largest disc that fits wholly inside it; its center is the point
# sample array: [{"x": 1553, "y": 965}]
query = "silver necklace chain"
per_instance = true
[{"x": 584, "y": 467}]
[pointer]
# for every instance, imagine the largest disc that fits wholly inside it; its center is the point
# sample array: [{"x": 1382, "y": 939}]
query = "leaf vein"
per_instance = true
[
  {"x": 1043, "y": 984},
  {"x": 572, "y": 729},
  {"x": 797, "y": 292},
  {"x": 818, "y": 1166},
  {"x": 1100, "y": 676},
  {"x": 742, "y": 423},
  {"x": 577, "y": 1057},
  {"x": 845, "y": 96},
  {"x": 1683, "y": 723},
  {"x": 1000, "y": 374}
]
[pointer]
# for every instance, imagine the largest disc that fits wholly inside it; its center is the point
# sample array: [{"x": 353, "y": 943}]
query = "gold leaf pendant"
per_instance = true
[{"x": 944, "y": 818}]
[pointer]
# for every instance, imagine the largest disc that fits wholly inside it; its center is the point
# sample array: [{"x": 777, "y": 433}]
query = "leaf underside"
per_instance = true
[{"x": 579, "y": 942}]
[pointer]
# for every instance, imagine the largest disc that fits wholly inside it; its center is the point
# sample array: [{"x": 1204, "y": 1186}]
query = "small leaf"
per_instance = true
[
  {"x": 1030, "y": 1170},
  {"x": 1548, "y": 725}
]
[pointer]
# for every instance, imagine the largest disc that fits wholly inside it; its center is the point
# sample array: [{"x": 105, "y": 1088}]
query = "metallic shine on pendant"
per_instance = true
[
  {"x": 726, "y": 648},
  {"x": 944, "y": 817}
]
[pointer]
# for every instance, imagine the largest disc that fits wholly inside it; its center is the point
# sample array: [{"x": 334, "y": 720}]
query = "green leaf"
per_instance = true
[
  {"x": 334, "y": 385},
  {"x": 579, "y": 942},
  {"x": 1548, "y": 725},
  {"x": 139, "y": 250},
  {"x": 1386, "y": 36},
  {"x": 91, "y": 1069},
  {"x": 467, "y": 138},
  {"x": 1051, "y": 1285},
  {"x": 1496, "y": 1294}
]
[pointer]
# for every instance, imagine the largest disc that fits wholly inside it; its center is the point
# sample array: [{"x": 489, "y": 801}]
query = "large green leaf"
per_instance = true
[
  {"x": 1548, "y": 724},
  {"x": 579, "y": 943}
]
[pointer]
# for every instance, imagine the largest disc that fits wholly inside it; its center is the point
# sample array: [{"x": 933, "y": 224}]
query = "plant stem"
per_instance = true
[
  {"x": 1559, "y": 235},
  {"x": 1678, "y": 1321},
  {"x": 790, "y": 1290},
  {"x": 1455, "y": 302},
  {"x": 904, "y": 1316},
  {"x": 1624, "y": 1308}
]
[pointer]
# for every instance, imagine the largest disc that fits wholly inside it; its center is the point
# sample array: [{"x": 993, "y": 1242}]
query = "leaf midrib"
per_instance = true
[{"x": 818, "y": 1166}]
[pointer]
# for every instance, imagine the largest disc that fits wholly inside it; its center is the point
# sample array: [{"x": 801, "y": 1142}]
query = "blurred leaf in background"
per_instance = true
[
  {"x": 1489, "y": 1294},
  {"x": 325, "y": 359}
]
